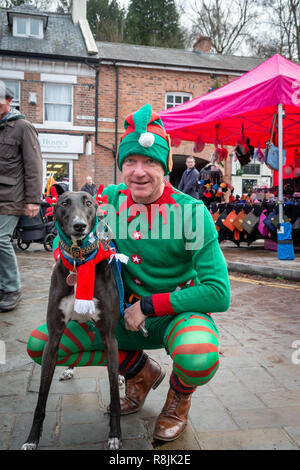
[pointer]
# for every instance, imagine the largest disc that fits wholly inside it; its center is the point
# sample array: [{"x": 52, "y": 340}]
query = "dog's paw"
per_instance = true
[
  {"x": 114, "y": 443},
  {"x": 67, "y": 374},
  {"x": 29, "y": 446}
]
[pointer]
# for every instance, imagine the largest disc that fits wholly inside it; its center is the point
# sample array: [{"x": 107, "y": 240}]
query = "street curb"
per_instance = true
[{"x": 245, "y": 268}]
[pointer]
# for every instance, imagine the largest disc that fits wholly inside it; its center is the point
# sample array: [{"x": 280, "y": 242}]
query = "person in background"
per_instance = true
[
  {"x": 89, "y": 186},
  {"x": 20, "y": 189},
  {"x": 189, "y": 180}
]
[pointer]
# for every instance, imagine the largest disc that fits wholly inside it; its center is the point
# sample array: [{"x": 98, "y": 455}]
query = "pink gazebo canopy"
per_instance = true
[{"x": 250, "y": 100}]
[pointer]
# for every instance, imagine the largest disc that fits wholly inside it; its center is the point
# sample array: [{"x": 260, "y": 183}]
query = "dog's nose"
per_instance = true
[{"x": 79, "y": 226}]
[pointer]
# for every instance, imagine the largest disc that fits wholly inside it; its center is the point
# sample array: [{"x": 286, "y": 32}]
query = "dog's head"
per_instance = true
[{"x": 75, "y": 213}]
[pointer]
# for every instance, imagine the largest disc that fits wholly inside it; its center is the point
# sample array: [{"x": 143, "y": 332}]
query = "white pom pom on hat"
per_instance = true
[{"x": 146, "y": 139}]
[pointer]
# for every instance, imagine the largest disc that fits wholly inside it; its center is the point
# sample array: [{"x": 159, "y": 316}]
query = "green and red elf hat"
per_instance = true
[{"x": 145, "y": 135}]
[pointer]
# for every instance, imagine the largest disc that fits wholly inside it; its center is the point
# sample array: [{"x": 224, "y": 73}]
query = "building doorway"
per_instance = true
[{"x": 62, "y": 171}]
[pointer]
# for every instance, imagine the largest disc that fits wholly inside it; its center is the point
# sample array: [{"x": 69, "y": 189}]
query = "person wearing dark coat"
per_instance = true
[
  {"x": 89, "y": 186},
  {"x": 21, "y": 178},
  {"x": 189, "y": 180}
]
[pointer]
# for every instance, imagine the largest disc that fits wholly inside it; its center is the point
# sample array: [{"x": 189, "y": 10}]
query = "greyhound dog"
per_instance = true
[{"x": 75, "y": 215}]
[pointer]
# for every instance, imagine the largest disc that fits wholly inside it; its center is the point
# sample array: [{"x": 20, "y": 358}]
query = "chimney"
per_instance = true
[
  {"x": 202, "y": 45},
  {"x": 78, "y": 10}
]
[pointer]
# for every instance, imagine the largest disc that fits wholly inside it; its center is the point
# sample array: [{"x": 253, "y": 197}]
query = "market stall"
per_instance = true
[{"x": 259, "y": 110}]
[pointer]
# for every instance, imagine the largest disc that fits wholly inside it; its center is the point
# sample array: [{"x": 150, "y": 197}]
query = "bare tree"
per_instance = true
[
  {"x": 282, "y": 30},
  {"x": 227, "y": 23}
]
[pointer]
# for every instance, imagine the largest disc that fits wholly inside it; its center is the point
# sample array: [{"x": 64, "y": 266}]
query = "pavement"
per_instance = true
[
  {"x": 255, "y": 260},
  {"x": 253, "y": 401}
]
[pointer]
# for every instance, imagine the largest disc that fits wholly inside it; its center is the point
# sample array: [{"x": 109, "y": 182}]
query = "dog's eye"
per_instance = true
[
  {"x": 89, "y": 203},
  {"x": 64, "y": 203}
]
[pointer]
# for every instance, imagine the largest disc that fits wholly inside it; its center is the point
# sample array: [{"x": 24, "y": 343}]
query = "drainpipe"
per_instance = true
[
  {"x": 97, "y": 74},
  {"x": 116, "y": 121}
]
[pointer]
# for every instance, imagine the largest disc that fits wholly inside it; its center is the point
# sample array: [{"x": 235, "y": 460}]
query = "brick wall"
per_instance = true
[{"x": 137, "y": 86}]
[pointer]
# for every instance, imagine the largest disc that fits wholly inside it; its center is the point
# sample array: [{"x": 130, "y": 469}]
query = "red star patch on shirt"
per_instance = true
[
  {"x": 136, "y": 259},
  {"x": 136, "y": 235}
]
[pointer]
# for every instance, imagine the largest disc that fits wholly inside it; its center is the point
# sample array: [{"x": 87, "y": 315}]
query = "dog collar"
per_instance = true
[{"x": 78, "y": 254}]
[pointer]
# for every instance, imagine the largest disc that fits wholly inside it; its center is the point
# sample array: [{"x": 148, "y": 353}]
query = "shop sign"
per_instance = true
[{"x": 61, "y": 143}]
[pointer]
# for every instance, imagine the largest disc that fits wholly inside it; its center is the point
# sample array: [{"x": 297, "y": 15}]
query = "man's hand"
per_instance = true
[
  {"x": 134, "y": 317},
  {"x": 31, "y": 210}
]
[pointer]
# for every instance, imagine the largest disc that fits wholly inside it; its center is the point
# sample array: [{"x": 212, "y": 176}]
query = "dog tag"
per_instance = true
[{"x": 71, "y": 279}]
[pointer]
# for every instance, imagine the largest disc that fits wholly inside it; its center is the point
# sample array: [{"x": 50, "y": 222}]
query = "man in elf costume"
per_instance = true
[{"x": 175, "y": 276}]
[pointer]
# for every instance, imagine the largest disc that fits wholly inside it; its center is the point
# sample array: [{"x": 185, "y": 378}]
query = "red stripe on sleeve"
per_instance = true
[{"x": 162, "y": 304}]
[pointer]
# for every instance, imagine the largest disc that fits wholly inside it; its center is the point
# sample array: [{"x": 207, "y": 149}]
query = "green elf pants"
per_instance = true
[{"x": 191, "y": 340}]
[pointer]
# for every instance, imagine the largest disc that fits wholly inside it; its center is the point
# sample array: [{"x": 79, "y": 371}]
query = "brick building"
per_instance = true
[
  {"x": 49, "y": 61},
  {"x": 77, "y": 92}
]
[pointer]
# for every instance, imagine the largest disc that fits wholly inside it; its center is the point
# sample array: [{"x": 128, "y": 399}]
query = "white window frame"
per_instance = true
[
  {"x": 40, "y": 35},
  {"x": 175, "y": 94},
  {"x": 58, "y": 124}
]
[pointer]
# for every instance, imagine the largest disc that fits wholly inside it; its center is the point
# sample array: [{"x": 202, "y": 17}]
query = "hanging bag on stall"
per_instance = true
[
  {"x": 220, "y": 220},
  {"x": 269, "y": 219},
  {"x": 272, "y": 152},
  {"x": 228, "y": 222},
  {"x": 250, "y": 221},
  {"x": 237, "y": 222},
  {"x": 262, "y": 228},
  {"x": 244, "y": 151}
]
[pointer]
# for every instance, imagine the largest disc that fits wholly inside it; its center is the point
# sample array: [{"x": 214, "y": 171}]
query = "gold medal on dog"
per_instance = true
[{"x": 71, "y": 279}]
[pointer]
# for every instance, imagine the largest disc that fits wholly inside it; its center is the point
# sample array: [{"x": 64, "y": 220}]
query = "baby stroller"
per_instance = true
[
  {"x": 37, "y": 229},
  {"x": 41, "y": 228}
]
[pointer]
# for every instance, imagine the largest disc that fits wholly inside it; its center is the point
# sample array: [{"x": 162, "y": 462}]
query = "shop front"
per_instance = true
[{"x": 59, "y": 152}]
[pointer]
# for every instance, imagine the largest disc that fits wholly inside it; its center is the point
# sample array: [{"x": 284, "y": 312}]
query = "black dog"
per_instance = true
[{"x": 75, "y": 214}]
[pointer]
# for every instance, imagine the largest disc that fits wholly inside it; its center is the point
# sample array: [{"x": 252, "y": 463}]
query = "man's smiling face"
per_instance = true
[{"x": 144, "y": 178}]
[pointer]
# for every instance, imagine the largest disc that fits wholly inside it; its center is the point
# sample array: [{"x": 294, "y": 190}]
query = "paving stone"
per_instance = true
[
  {"x": 26, "y": 404},
  {"x": 267, "y": 417},
  {"x": 287, "y": 375},
  {"x": 280, "y": 398},
  {"x": 91, "y": 433},
  {"x": 81, "y": 408},
  {"x": 294, "y": 432},
  {"x": 22, "y": 428},
  {"x": 209, "y": 415},
  {"x": 14, "y": 383},
  {"x": 68, "y": 386},
  {"x": 236, "y": 397},
  {"x": 254, "y": 439},
  {"x": 257, "y": 379}
]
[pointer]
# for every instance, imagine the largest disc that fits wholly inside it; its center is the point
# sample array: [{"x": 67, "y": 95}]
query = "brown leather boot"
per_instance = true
[
  {"x": 173, "y": 418},
  {"x": 138, "y": 387}
]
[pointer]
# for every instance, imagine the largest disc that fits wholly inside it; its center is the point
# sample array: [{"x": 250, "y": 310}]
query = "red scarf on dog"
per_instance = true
[{"x": 86, "y": 280}]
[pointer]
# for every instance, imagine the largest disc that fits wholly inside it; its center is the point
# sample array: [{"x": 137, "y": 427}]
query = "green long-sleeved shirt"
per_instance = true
[{"x": 173, "y": 251}]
